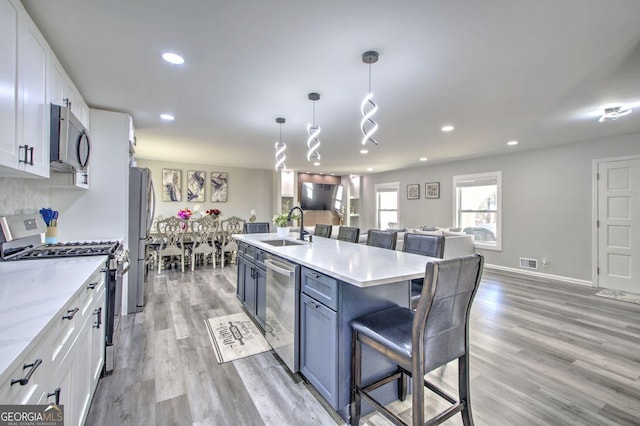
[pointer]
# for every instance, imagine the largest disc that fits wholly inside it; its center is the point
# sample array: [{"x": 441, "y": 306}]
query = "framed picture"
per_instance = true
[
  {"x": 413, "y": 191},
  {"x": 219, "y": 187},
  {"x": 171, "y": 185},
  {"x": 432, "y": 190},
  {"x": 195, "y": 185}
]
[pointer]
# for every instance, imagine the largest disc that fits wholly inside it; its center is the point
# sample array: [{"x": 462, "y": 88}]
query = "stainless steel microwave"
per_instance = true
[{"x": 70, "y": 143}]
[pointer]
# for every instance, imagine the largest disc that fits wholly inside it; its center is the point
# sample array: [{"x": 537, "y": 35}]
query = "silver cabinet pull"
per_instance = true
[{"x": 23, "y": 381}]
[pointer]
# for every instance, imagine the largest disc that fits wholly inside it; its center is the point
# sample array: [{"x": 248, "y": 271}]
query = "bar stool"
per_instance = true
[
  {"x": 348, "y": 233},
  {"x": 256, "y": 228},
  {"x": 426, "y": 245},
  {"x": 322, "y": 230},
  {"x": 420, "y": 341},
  {"x": 382, "y": 239}
]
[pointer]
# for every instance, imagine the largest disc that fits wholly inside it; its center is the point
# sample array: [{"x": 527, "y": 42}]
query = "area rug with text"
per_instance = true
[{"x": 235, "y": 336}]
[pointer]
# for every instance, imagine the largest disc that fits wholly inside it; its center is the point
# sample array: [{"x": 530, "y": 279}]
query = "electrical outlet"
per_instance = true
[{"x": 545, "y": 261}]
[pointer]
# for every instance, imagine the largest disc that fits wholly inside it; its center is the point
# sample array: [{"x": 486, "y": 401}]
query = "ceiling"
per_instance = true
[{"x": 497, "y": 70}]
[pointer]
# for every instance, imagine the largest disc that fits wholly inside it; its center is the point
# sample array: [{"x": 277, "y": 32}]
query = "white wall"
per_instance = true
[
  {"x": 249, "y": 189},
  {"x": 102, "y": 212},
  {"x": 546, "y": 201}
]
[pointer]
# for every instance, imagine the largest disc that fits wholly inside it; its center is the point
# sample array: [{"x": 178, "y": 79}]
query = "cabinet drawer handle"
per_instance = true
[
  {"x": 26, "y": 378},
  {"x": 55, "y": 393},
  {"x": 28, "y": 152},
  {"x": 98, "y": 314},
  {"x": 313, "y": 305},
  {"x": 92, "y": 285},
  {"x": 71, "y": 313}
]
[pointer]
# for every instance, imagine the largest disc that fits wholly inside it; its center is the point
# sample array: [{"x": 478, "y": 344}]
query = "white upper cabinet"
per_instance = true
[
  {"x": 24, "y": 150},
  {"x": 8, "y": 82},
  {"x": 63, "y": 90},
  {"x": 33, "y": 100}
]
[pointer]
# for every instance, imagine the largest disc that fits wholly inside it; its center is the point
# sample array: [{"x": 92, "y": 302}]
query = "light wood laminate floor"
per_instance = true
[{"x": 541, "y": 354}]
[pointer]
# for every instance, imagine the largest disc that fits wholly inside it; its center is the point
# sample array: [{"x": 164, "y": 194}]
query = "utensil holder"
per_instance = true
[{"x": 51, "y": 235}]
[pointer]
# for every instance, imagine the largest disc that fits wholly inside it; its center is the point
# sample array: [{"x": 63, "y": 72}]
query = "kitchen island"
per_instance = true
[{"x": 337, "y": 282}]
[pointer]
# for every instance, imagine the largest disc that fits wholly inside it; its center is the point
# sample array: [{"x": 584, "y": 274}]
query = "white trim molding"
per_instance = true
[{"x": 539, "y": 275}]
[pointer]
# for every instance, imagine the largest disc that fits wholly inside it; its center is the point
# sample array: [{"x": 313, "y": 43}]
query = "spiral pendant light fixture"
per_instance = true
[
  {"x": 368, "y": 108},
  {"x": 313, "y": 130},
  {"x": 280, "y": 148}
]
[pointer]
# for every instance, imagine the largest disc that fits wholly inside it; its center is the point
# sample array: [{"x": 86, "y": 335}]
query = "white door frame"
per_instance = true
[{"x": 594, "y": 211}]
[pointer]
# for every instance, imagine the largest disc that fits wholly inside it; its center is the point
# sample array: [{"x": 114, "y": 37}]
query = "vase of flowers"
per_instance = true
[
  {"x": 213, "y": 212},
  {"x": 184, "y": 214},
  {"x": 282, "y": 222}
]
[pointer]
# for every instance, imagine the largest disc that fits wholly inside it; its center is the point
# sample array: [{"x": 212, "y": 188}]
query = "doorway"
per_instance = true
[{"x": 617, "y": 208}]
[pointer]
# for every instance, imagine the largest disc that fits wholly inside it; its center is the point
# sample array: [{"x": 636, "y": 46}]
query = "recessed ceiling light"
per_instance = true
[
  {"x": 364, "y": 151},
  {"x": 370, "y": 169},
  {"x": 317, "y": 163},
  {"x": 423, "y": 158},
  {"x": 447, "y": 128},
  {"x": 167, "y": 117},
  {"x": 173, "y": 58},
  {"x": 512, "y": 143}
]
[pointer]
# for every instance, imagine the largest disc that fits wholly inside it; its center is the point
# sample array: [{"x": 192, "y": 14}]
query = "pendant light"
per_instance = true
[
  {"x": 313, "y": 130},
  {"x": 280, "y": 148},
  {"x": 368, "y": 125}
]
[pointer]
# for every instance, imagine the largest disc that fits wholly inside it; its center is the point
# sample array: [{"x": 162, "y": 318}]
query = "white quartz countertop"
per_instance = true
[
  {"x": 32, "y": 293},
  {"x": 356, "y": 264}
]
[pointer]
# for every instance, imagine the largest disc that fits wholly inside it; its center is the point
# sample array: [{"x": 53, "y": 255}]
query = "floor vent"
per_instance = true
[{"x": 528, "y": 263}]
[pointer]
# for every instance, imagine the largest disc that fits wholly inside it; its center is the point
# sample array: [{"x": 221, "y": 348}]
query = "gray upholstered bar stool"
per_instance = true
[
  {"x": 382, "y": 239},
  {"x": 348, "y": 233},
  {"x": 256, "y": 228},
  {"x": 419, "y": 341},
  {"x": 322, "y": 230},
  {"x": 426, "y": 245}
]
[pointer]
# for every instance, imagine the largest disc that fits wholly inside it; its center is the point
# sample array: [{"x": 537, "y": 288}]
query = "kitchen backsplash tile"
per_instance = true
[{"x": 18, "y": 196}]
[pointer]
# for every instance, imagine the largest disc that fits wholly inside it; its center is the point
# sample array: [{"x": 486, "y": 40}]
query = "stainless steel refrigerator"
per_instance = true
[{"x": 142, "y": 204}]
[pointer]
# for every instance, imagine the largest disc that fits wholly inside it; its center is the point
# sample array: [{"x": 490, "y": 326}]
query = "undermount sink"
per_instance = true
[{"x": 282, "y": 243}]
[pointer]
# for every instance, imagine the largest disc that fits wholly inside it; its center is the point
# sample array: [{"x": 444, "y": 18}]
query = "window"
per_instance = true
[
  {"x": 386, "y": 204},
  {"x": 478, "y": 208}
]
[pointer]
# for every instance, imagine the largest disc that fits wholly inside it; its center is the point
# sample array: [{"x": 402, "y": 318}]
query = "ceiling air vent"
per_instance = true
[{"x": 528, "y": 263}]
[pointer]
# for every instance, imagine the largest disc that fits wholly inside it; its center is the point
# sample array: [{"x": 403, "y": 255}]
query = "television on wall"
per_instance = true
[{"x": 320, "y": 196}]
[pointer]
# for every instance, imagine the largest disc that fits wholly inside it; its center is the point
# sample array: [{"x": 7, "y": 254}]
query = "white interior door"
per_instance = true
[{"x": 619, "y": 225}]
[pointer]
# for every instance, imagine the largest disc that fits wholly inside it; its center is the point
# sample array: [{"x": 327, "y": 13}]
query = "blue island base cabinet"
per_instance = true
[{"x": 327, "y": 307}]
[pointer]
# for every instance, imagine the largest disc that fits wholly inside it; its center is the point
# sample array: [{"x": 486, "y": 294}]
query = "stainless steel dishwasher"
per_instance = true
[{"x": 283, "y": 307}]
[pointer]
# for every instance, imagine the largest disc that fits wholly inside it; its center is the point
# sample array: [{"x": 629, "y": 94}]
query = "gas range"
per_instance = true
[
  {"x": 70, "y": 249},
  {"x": 21, "y": 238}
]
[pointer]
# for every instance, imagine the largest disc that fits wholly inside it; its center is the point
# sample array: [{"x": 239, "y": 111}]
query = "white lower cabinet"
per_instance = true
[{"x": 67, "y": 361}]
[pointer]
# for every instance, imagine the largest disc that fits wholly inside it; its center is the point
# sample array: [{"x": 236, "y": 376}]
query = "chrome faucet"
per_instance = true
[{"x": 302, "y": 231}]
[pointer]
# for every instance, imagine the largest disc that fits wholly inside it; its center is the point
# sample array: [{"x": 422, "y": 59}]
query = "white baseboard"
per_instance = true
[{"x": 539, "y": 275}]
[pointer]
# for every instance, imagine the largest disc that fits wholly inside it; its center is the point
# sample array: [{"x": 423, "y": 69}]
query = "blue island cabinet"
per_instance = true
[
  {"x": 327, "y": 306},
  {"x": 251, "y": 287}
]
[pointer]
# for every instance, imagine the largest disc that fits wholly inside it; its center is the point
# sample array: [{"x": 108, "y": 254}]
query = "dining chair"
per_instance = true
[
  {"x": 256, "y": 228},
  {"x": 322, "y": 230},
  {"x": 204, "y": 234},
  {"x": 425, "y": 245},
  {"x": 171, "y": 240},
  {"x": 348, "y": 233},
  {"x": 420, "y": 341},
  {"x": 230, "y": 226},
  {"x": 382, "y": 239}
]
